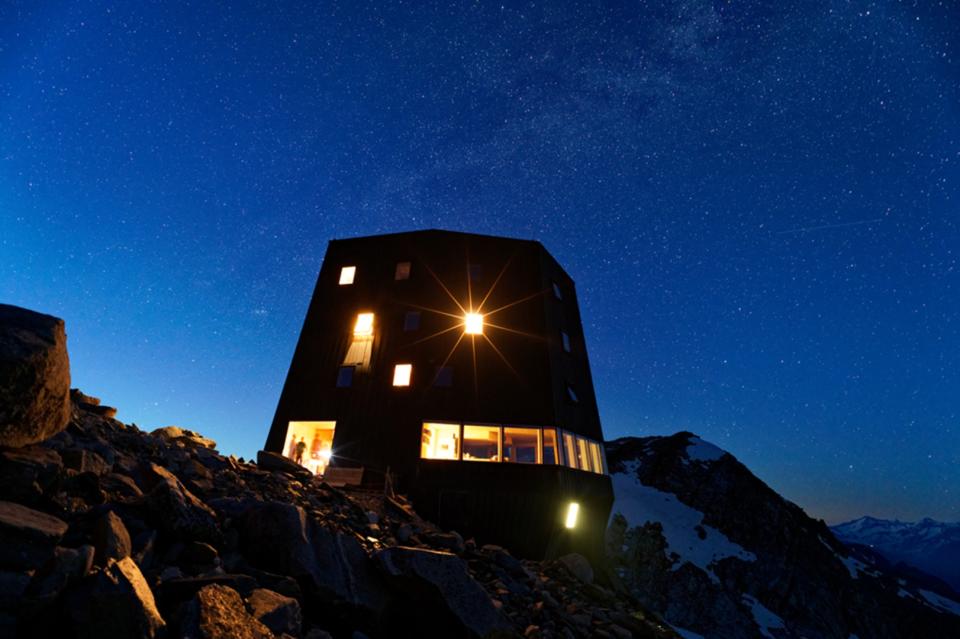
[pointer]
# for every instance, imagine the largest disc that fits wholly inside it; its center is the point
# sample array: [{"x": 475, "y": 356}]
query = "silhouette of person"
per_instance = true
[
  {"x": 292, "y": 448},
  {"x": 301, "y": 447}
]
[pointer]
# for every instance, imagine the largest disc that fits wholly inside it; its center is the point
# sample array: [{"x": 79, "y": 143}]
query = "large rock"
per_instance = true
[
  {"x": 175, "y": 433},
  {"x": 115, "y": 602},
  {"x": 27, "y": 536},
  {"x": 217, "y": 612},
  {"x": 177, "y": 511},
  {"x": 34, "y": 376},
  {"x": 439, "y": 582},
  {"x": 110, "y": 538},
  {"x": 277, "y": 462},
  {"x": 278, "y": 613}
]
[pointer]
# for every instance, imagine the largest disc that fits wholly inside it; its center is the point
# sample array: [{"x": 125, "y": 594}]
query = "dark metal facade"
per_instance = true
[{"x": 520, "y": 372}]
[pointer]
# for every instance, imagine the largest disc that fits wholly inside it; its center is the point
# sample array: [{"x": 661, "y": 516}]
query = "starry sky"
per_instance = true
[{"x": 758, "y": 202}]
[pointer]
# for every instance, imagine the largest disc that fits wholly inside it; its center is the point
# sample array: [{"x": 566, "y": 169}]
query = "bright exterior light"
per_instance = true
[
  {"x": 401, "y": 374},
  {"x": 473, "y": 324},
  {"x": 573, "y": 508},
  {"x": 364, "y": 325},
  {"x": 346, "y": 275}
]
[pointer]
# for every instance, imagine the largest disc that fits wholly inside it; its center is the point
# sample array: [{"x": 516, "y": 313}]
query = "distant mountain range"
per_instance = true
[
  {"x": 932, "y": 546},
  {"x": 698, "y": 538}
]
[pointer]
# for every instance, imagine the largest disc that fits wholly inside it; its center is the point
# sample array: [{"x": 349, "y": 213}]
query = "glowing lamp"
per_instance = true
[
  {"x": 573, "y": 509},
  {"x": 473, "y": 324},
  {"x": 364, "y": 325}
]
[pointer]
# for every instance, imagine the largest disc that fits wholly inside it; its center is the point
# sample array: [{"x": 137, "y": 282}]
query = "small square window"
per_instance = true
[
  {"x": 557, "y": 293},
  {"x": 402, "y": 272},
  {"x": 411, "y": 321},
  {"x": 571, "y": 394},
  {"x": 475, "y": 271},
  {"x": 566, "y": 340},
  {"x": 347, "y": 273},
  {"x": 345, "y": 377},
  {"x": 401, "y": 374},
  {"x": 444, "y": 377}
]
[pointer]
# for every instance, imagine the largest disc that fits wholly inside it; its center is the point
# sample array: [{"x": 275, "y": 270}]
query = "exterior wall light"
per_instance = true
[
  {"x": 473, "y": 324},
  {"x": 573, "y": 509}
]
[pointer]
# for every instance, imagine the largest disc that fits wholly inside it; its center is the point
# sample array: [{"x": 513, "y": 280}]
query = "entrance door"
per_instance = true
[{"x": 310, "y": 444}]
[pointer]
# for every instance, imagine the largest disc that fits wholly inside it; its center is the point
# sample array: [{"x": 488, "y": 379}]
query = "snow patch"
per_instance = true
[
  {"x": 686, "y": 634},
  {"x": 699, "y": 450},
  {"x": 765, "y": 619},
  {"x": 941, "y": 602},
  {"x": 639, "y": 504}
]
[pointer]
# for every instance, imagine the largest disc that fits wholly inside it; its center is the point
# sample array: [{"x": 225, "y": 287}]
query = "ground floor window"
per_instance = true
[
  {"x": 522, "y": 445},
  {"x": 481, "y": 443},
  {"x": 310, "y": 444},
  {"x": 440, "y": 441}
]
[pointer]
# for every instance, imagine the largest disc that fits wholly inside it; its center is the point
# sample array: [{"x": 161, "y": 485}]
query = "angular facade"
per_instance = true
[{"x": 457, "y": 364}]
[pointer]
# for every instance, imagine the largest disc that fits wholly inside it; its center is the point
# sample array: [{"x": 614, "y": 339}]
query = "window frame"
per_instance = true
[
  {"x": 463, "y": 442},
  {"x": 343, "y": 369}
]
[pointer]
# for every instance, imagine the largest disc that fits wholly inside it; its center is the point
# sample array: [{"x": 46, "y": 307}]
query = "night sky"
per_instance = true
[{"x": 758, "y": 202}]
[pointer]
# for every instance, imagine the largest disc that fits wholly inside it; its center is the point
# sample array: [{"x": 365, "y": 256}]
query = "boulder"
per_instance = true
[
  {"x": 85, "y": 461},
  {"x": 80, "y": 397},
  {"x": 439, "y": 582},
  {"x": 34, "y": 376},
  {"x": 579, "y": 566},
  {"x": 451, "y": 541},
  {"x": 277, "y": 462},
  {"x": 110, "y": 538},
  {"x": 115, "y": 602},
  {"x": 177, "y": 511},
  {"x": 278, "y": 613},
  {"x": 26, "y": 473},
  {"x": 66, "y": 564},
  {"x": 175, "y": 433},
  {"x": 27, "y": 536},
  {"x": 217, "y": 612}
]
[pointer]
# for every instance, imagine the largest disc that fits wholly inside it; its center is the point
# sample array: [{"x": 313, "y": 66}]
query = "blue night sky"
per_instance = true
[{"x": 758, "y": 201}]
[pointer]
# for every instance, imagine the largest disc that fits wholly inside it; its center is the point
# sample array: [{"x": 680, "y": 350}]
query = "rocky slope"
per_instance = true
[
  {"x": 701, "y": 540},
  {"x": 931, "y": 546}
]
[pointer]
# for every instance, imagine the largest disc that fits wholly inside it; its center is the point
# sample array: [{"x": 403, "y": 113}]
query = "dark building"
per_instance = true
[{"x": 457, "y": 363}]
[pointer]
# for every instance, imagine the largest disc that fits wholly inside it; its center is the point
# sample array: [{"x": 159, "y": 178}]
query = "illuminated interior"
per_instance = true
[
  {"x": 521, "y": 445},
  {"x": 583, "y": 457},
  {"x": 570, "y": 450},
  {"x": 401, "y": 374},
  {"x": 573, "y": 509},
  {"x": 481, "y": 443},
  {"x": 550, "y": 446},
  {"x": 364, "y": 325},
  {"x": 310, "y": 444},
  {"x": 473, "y": 324},
  {"x": 440, "y": 441},
  {"x": 347, "y": 273},
  {"x": 595, "y": 457}
]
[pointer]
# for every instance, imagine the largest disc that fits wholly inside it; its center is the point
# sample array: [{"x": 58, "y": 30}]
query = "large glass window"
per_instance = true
[
  {"x": 310, "y": 444},
  {"x": 550, "y": 452},
  {"x": 481, "y": 443},
  {"x": 521, "y": 445},
  {"x": 570, "y": 450},
  {"x": 583, "y": 455},
  {"x": 595, "y": 457},
  {"x": 440, "y": 441}
]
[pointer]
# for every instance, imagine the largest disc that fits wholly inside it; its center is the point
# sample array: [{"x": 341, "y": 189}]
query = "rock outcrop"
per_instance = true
[
  {"x": 697, "y": 537},
  {"x": 34, "y": 376}
]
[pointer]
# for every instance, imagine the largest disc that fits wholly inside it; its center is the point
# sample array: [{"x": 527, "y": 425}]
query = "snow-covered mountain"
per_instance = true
[
  {"x": 697, "y": 537},
  {"x": 932, "y": 546}
]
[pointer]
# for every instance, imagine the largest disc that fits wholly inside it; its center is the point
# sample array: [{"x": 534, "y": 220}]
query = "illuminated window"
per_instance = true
[
  {"x": 550, "y": 452},
  {"x": 364, "y": 325},
  {"x": 473, "y": 324},
  {"x": 566, "y": 341},
  {"x": 347, "y": 273},
  {"x": 481, "y": 443},
  {"x": 556, "y": 291},
  {"x": 310, "y": 444},
  {"x": 401, "y": 374},
  {"x": 570, "y": 450},
  {"x": 402, "y": 272},
  {"x": 571, "y": 394},
  {"x": 444, "y": 378},
  {"x": 345, "y": 376},
  {"x": 411, "y": 321},
  {"x": 573, "y": 509},
  {"x": 440, "y": 441},
  {"x": 595, "y": 458},
  {"x": 583, "y": 456},
  {"x": 521, "y": 445}
]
